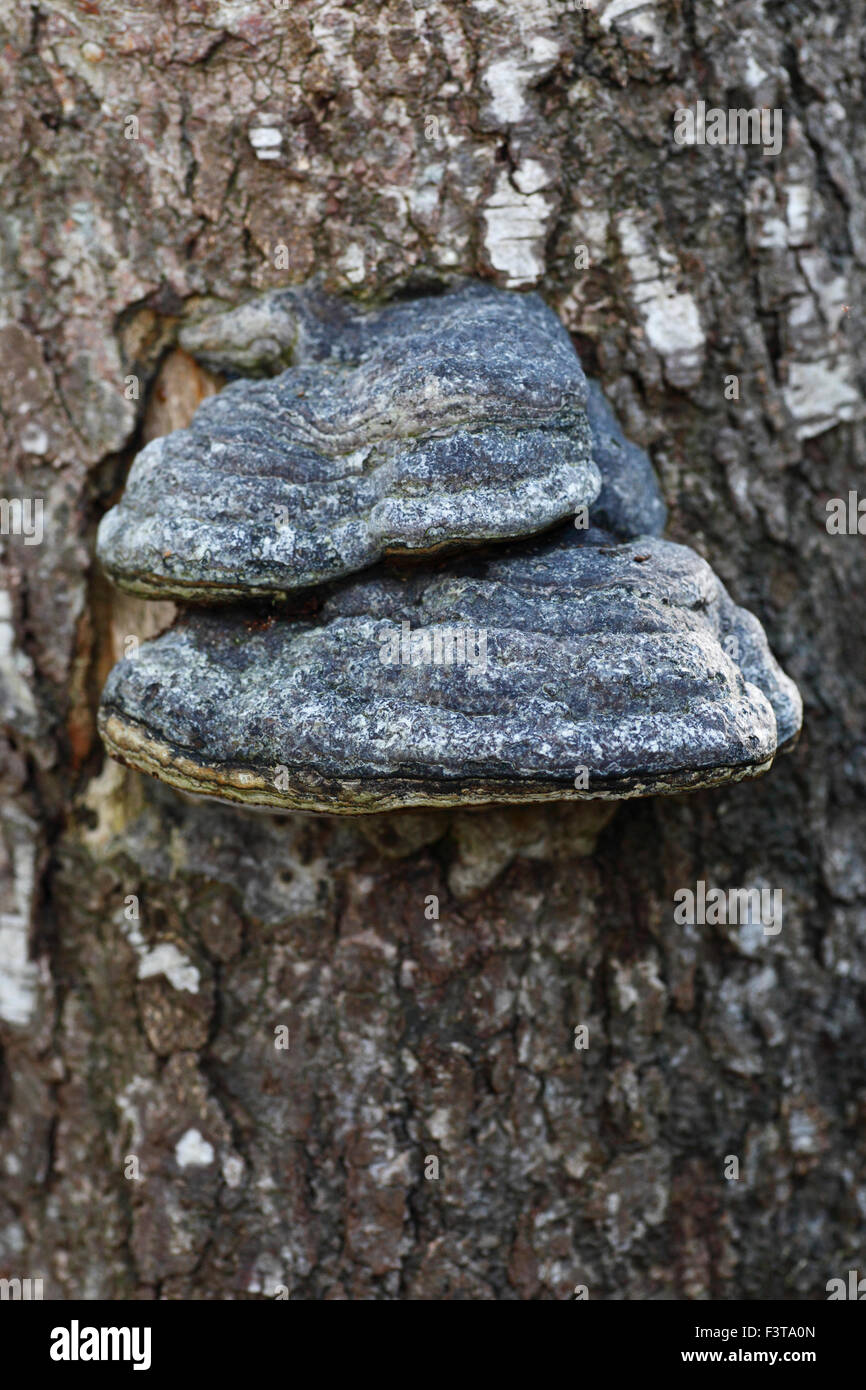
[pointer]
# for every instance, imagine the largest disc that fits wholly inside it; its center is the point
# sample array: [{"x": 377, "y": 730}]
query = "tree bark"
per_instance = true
[{"x": 433, "y": 1127}]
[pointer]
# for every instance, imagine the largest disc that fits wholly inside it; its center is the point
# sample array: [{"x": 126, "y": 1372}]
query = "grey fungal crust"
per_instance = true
[
  {"x": 302, "y": 324},
  {"x": 611, "y": 658},
  {"x": 630, "y": 502},
  {"x": 443, "y": 422}
]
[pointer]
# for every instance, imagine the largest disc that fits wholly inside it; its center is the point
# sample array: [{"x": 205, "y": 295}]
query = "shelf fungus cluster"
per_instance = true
[{"x": 423, "y": 568}]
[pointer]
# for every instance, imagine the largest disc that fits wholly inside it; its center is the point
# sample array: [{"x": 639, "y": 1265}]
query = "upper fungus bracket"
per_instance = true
[
  {"x": 442, "y": 421},
  {"x": 582, "y": 664},
  {"x": 303, "y": 324}
]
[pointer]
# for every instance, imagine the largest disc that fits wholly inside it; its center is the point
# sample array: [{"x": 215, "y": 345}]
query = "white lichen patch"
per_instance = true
[
  {"x": 17, "y": 705},
  {"x": 162, "y": 959},
  {"x": 754, "y": 62},
  {"x": 635, "y": 17},
  {"x": 233, "y": 1170},
  {"x": 394, "y": 1170},
  {"x": 798, "y": 214},
  {"x": 165, "y": 959},
  {"x": 820, "y": 388},
  {"x": 753, "y": 73},
  {"x": 821, "y": 394},
  {"x": 113, "y": 799},
  {"x": 34, "y": 439},
  {"x": 265, "y": 136},
  {"x": 129, "y": 1104},
  {"x": 507, "y": 87},
  {"x": 531, "y": 175},
  {"x": 333, "y": 31},
  {"x": 829, "y": 290},
  {"x": 193, "y": 1150},
  {"x": 353, "y": 264},
  {"x": 518, "y": 51},
  {"x": 670, "y": 315},
  {"x": 530, "y": 53},
  {"x": 517, "y": 228},
  {"x": 19, "y": 975}
]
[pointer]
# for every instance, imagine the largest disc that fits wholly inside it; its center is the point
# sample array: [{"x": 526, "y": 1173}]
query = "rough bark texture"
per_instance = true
[{"x": 154, "y": 1141}]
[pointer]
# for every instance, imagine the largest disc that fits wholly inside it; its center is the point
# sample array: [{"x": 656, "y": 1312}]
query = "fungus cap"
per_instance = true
[
  {"x": 443, "y": 422},
  {"x": 568, "y": 668}
]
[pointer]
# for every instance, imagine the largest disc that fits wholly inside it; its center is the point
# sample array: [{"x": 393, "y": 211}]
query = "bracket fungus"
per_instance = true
[
  {"x": 454, "y": 419},
  {"x": 630, "y": 502},
  {"x": 572, "y": 668},
  {"x": 579, "y": 664}
]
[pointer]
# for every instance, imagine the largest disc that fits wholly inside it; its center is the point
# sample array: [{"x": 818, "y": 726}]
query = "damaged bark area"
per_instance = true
[{"x": 432, "y": 1054}]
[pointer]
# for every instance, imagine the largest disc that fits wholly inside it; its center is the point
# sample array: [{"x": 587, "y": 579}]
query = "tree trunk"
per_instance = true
[{"x": 241, "y": 1057}]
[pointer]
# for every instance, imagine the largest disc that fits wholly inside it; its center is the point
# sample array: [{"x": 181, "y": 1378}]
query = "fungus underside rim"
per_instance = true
[{"x": 130, "y": 744}]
